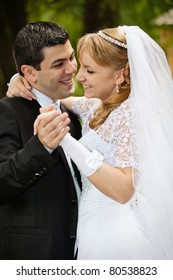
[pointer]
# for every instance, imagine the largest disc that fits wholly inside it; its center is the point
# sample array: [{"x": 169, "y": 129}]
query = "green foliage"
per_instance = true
[
  {"x": 64, "y": 13},
  {"x": 79, "y": 89},
  {"x": 142, "y": 13}
]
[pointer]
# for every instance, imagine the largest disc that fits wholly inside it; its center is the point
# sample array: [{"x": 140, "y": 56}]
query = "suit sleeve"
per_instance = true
[{"x": 21, "y": 164}]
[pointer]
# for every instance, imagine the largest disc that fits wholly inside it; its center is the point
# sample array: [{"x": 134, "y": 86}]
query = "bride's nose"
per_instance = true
[{"x": 80, "y": 77}]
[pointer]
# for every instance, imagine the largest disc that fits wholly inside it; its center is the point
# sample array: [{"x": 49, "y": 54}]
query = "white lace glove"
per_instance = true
[{"x": 87, "y": 162}]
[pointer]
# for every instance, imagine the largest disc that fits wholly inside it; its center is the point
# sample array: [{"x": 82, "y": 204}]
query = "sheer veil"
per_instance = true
[{"x": 152, "y": 113}]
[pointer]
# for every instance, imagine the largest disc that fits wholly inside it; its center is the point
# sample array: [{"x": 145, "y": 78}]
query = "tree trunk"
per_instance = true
[
  {"x": 100, "y": 14},
  {"x": 12, "y": 18},
  {"x": 91, "y": 15}
]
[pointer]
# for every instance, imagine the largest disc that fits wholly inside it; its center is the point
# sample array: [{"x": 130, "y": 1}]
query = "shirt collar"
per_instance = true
[{"x": 43, "y": 99}]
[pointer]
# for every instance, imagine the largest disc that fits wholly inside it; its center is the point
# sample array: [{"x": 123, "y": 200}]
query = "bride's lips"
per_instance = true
[{"x": 86, "y": 87}]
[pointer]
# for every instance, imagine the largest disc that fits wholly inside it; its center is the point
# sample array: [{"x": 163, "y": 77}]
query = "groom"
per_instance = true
[{"x": 38, "y": 183}]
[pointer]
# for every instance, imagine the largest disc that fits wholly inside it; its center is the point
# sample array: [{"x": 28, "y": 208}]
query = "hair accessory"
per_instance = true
[{"x": 111, "y": 40}]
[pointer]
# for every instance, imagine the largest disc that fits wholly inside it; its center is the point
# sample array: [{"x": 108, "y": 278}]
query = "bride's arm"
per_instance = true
[
  {"x": 19, "y": 86},
  {"x": 67, "y": 102},
  {"x": 114, "y": 182}
]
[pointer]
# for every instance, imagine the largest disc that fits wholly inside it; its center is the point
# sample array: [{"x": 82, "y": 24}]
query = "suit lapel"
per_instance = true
[{"x": 77, "y": 173}]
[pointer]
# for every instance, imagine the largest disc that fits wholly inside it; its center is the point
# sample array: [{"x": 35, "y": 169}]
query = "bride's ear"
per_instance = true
[{"x": 118, "y": 77}]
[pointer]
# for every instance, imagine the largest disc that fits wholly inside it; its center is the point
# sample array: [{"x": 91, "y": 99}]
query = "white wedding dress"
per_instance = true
[{"x": 107, "y": 229}]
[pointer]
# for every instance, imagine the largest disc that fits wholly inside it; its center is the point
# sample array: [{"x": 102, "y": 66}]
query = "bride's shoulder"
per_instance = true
[{"x": 123, "y": 108}]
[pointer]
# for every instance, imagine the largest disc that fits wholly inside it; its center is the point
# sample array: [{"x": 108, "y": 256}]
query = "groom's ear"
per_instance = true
[{"x": 29, "y": 73}]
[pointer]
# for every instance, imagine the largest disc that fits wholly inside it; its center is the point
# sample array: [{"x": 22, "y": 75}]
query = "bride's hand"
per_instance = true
[{"x": 20, "y": 87}]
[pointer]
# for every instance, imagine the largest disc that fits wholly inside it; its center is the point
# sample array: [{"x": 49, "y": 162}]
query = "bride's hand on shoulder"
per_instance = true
[{"x": 19, "y": 87}]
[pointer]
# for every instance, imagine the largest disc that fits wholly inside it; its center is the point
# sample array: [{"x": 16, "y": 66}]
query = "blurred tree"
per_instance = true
[
  {"x": 142, "y": 13},
  {"x": 12, "y": 18},
  {"x": 100, "y": 14}
]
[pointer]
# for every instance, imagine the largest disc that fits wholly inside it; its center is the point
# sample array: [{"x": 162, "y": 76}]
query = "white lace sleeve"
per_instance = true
[
  {"x": 119, "y": 133},
  {"x": 84, "y": 107}
]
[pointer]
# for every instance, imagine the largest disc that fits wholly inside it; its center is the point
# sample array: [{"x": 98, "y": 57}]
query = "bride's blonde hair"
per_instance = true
[{"x": 109, "y": 54}]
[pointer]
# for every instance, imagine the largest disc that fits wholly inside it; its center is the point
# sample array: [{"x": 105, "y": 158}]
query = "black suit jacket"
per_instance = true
[{"x": 38, "y": 202}]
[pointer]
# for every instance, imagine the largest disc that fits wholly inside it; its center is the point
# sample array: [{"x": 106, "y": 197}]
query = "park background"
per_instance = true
[{"x": 83, "y": 16}]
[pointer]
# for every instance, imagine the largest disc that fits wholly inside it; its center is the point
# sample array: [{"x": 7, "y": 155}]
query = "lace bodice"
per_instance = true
[{"x": 114, "y": 138}]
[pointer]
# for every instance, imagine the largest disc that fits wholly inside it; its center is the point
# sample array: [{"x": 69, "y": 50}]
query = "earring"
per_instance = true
[{"x": 117, "y": 88}]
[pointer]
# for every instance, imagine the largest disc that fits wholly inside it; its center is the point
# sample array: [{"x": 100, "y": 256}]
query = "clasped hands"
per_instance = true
[{"x": 51, "y": 126}]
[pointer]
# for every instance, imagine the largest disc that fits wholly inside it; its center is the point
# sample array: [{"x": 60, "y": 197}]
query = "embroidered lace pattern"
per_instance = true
[{"x": 114, "y": 138}]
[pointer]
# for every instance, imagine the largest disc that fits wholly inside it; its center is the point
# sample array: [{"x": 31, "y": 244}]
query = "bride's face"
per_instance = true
[{"x": 98, "y": 81}]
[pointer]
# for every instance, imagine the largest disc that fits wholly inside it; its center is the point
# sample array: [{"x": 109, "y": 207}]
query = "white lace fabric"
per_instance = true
[{"x": 114, "y": 138}]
